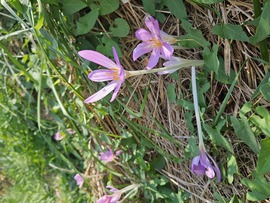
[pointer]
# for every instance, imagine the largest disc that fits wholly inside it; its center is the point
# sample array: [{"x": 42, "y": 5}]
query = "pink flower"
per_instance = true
[
  {"x": 155, "y": 41},
  {"x": 79, "y": 179},
  {"x": 115, "y": 73},
  {"x": 109, "y": 156},
  {"x": 202, "y": 165},
  {"x": 59, "y": 135},
  {"x": 111, "y": 198}
]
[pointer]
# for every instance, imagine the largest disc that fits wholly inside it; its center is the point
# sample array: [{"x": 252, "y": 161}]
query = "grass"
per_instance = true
[{"x": 44, "y": 84}]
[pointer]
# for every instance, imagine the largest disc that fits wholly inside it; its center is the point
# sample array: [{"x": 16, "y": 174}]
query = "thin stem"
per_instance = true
[
  {"x": 196, "y": 105},
  {"x": 186, "y": 63}
]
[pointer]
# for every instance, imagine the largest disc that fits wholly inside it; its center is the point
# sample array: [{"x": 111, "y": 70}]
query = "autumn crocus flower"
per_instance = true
[
  {"x": 205, "y": 164},
  {"x": 114, "y": 73},
  {"x": 157, "y": 42},
  {"x": 109, "y": 156},
  {"x": 79, "y": 179}
]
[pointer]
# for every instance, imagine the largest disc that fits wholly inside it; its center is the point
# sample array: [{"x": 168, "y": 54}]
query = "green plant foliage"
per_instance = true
[
  {"x": 211, "y": 61},
  {"x": 262, "y": 120},
  {"x": 87, "y": 22},
  {"x": 244, "y": 132},
  {"x": 263, "y": 164},
  {"x": 264, "y": 89},
  {"x": 177, "y": 8},
  {"x": 72, "y": 6},
  {"x": 171, "y": 93},
  {"x": 263, "y": 29},
  {"x": 105, "y": 7},
  {"x": 149, "y": 6},
  {"x": 208, "y": 1},
  {"x": 221, "y": 76},
  {"x": 120, "y": 27},
  {"x": 230, "y": 31}
]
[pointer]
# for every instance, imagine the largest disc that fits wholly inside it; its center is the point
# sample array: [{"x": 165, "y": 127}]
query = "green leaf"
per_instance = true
[
  {"x": 87, "y": 22},
  {"x": 264, "y": 89},
  {"x": 259, "y": 186},
  {"x": 263, "y": 29},
  {"x": 262, "y": 120},
  {"x": 217, "y": 138},
  {"x": 120, "y": 27},
  {"x": 106, "y": 47},
  {"x": 210, "y": 59},
  {"x": 230, "y": 31},
  {"x": 194, "y": 37},
  {"x": 72, "y": 6},
  {"x": 263, "y": 164},
  {"x": 149, "y": 6},
  {"x": 208, "y": 1},
  {"x": 232, "y": 167},
  {"x": 171, "y": 93},
  {"x": 221, "y": 76},
  {"x": 186, "y": 104},
  {"x": 244, "y": 132},
  {"x": 158, "y": 162},
  {"x": 105, "y": 6},
  {"x": 235, "y": 200},
  {"x": 177, "y": 8}
]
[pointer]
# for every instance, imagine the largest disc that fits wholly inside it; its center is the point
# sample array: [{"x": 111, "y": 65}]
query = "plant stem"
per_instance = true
[
  {"x": 196, "y": 106},
  {"x": 186, "y": 63}
]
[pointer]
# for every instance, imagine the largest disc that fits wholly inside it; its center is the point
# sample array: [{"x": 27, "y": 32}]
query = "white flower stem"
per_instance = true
[
  {"x": 196, "y": 106},
  {"x": 186, "y": 63}
]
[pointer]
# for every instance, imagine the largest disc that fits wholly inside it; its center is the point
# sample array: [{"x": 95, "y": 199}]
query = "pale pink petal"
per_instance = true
[
  {"x": 59, "y": 136},
  {"x": 79, "y": 179},
  {"x": 115, "y": 55},
  {"x": 153, "y": 26},
  {"x": 167, "y": 38},
  {"x": 143, "y": 35},
  {"x": 112, "y": 189},
  {"x": 97, "y": 58},
  {"x": 118, "y": 152},
  {"x": 153, "y": 60},
  {"x": 101, "y": 75},
  {"x": 102, "y": 93},
  {"x": 166, "y": 72},
  {"x": 210, "y": 173},
  {"x": 167, "y": 51},
  {"x": 141, "y": 49},
  {"x": 116, "y": 90}
]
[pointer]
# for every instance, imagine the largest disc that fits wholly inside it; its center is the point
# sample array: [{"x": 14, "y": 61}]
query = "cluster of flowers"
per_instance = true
[{"x": 160, "y": 45}]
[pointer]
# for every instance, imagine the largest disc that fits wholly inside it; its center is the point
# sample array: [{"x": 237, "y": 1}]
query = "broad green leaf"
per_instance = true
[
  {"x": 194, "y": 37},
  {"x": 106, "y": 47},
  {"x": 263, "y": 29},
  {"x": 171, "y": 93},
  {"x": 263, "y": 120},
  {"x": 210, "y": 59},
  {"x": 244, "y": 132},
  {"x": 235, "y": 200},
  {"x": 263, "y": 164},
  {"x": 186, "y": 104},
  {"x": 177, "y": 8},
  {"x": 217, "y": 138},
  {"x": 232, "y": 167},
  {"x": 149, "y": 6},
  {"x": 72, "y": 6},
  {"x": 259, "y": 186},
  {"x": 264, "y": 89},
  {"x": 221, "y": 76},
  {"x": 264, "y": 81},
  {"x": 87, "y": 22},
  {"x": 247, "y": 107},
  {"x": 120, "y": 27},
  {"x": 188, "y": 117},
  {"x": 230, "y": 31},
  {"x": 105, "y": 6}
]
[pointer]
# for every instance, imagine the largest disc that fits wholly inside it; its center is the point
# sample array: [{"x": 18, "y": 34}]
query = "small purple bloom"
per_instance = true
[
  {"x": 109, "y": 156},
  {"x": 111, "y": 198},
  {"x": 115, "y": 73},
  {"x": 155, "y": 41},
  {"x": 59, "y": 136},
  {"x": 202, "y": 165},
  {"x": 79, "y": 179},
  {"x": 174, "y": 61}
]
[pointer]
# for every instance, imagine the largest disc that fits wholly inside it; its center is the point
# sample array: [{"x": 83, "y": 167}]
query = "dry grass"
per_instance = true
[{"x": 172, "y": 115}]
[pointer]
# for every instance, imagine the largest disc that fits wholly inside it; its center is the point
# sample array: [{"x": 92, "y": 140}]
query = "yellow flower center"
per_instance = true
[
  {"x": 157, "y": 42},
  {"x": 115, "y": 73}
]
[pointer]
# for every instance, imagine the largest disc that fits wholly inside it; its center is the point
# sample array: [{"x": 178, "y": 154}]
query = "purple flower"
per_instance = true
[
  {"x": 174, "y": 61},
  {"x": 115, "y": 73},
  {"x": 59, "y": 136},
  {"x": 155, "y": 41},
  {"x": 202, "y": 165},
  {"x": 79, "y": 179},
  {"x": 111, "y": 198},
  {"x": 109, "y": 156}
]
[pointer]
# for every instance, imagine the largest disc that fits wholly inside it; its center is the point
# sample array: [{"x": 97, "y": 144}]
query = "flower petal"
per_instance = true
[
  {"x": 116, "y": 90},
  {"x": 143, "y": 35},
  {"x": 102, "y": 93},
  {"x": 97, "y": 58},
  {"x": 115, "y": 55},
  {"x": 216, "y": 168},
  {"x": 167, "y": 38},
  {"x": 210, "y": 173},
  {"x": 167, "y": 51},
  {"x": 153, "y": 60},
  {"x": 141, "y": 49},
  {"x": 153, "y": 26},
  {"x": 101, "y": 75}
]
